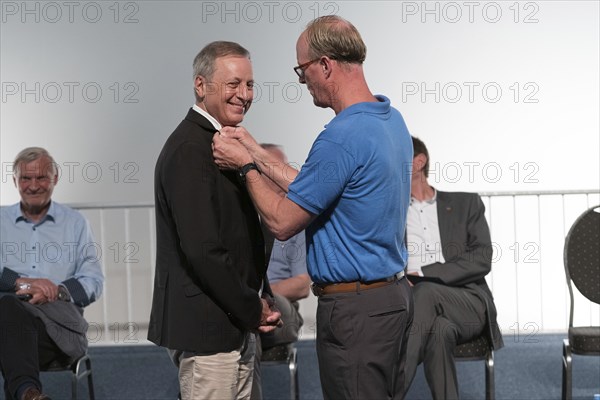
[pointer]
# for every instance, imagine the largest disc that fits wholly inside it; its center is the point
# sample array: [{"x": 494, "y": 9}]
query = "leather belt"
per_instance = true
[{"x": 320, "y": 289}]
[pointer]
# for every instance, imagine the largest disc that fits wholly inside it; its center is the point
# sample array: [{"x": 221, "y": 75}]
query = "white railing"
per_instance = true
[
  {"x": 126, "y": 236},
  {"x": 527, "y": 279}
]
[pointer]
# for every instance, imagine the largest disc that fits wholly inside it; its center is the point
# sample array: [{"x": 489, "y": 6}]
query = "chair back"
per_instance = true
[
  {"x": 476, "y": 349},
  {"x": 58, "y": 365},
  {"x": 582, "y": 255}
]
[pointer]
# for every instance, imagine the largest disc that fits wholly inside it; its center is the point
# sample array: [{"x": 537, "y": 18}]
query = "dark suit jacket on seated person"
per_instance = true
[{"x": 453, "y": 303}]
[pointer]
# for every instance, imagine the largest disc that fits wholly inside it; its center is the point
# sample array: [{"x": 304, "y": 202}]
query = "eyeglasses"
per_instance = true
[{"x": 299, "y": 70}]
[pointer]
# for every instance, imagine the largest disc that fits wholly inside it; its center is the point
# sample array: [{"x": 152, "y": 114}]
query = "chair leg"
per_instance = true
[
  {"x": 490, "y": 384},
  {"x": 79, "y": 373},
  {"x": 293, "y": 366},
  {"x": 88, "y": 365},
  {"x": 7, "y": 393},
  {"x": 567, "y": 393},
  {"x": 74, "y": 381}
]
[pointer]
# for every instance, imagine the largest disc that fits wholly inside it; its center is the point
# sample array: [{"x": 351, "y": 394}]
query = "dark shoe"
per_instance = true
[{"x": 33, "y": 394}]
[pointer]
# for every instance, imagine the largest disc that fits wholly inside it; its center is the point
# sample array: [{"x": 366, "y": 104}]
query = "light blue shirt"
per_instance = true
[
  {"x": 288, "y": 258},
  {"x": 356, "y": 179},
  {"x": 59, "y": 248}
]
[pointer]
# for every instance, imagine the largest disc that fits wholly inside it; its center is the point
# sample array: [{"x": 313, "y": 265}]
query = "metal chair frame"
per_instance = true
[
  {"x": 568, "y": 350},
  {"x": 291, "y": 360},
  {"x": 481, "y": 348},
  {"x": 470, "y": 352},
  {"x": 78, "y": 373}
]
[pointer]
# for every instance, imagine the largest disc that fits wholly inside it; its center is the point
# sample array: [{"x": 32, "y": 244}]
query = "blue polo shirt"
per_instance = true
[{"x": 356, "y": 179}]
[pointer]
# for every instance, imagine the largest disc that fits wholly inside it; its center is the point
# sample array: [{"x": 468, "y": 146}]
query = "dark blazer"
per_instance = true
[
  {"x": 210, "y": 250},
  {"x": 467, "y": 249}
]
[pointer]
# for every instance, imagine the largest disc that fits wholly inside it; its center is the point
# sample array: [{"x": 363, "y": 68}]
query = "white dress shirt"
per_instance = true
[
  {"x": 209, "y": 117},
  {"x": 424, "y": 244}
]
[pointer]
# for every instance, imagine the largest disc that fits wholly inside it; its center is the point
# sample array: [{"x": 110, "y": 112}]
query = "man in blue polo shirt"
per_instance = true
[{"x": 351, "y": 196}]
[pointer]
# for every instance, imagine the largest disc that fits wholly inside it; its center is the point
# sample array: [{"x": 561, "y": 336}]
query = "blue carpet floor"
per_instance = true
[{"x": 524, "y": 370}]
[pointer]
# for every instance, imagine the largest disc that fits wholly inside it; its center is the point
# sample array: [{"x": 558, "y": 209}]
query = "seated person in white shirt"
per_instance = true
[
  {"x": 289, "y": 282},
  {"x": 49, "y": 271},
  {"x": 450, "y": 252}
]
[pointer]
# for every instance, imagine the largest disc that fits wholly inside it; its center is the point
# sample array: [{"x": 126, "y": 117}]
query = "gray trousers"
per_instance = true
[
  {"x": 361, "y": 342},
  {"x": 444, "y": 317}
]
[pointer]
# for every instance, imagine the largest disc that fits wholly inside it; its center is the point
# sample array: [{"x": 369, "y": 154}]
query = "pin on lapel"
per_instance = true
[{"x": 449, "y": 209}]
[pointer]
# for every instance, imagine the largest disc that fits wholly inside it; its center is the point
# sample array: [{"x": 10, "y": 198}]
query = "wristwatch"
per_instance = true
[
  {"x": 247, "y": 168},
  {"x": 63, "y": 293}
]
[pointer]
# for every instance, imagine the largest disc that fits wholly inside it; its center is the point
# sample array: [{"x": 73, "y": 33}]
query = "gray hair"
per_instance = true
[
  {"x": 204, "y": 62},
  {"x": 30, "y": 154}
]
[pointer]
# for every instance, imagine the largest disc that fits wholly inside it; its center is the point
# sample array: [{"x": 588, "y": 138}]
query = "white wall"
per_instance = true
[{"x": 506, "y": 94}]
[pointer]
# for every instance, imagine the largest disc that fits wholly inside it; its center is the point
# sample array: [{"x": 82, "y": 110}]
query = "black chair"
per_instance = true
[
  {"x": 78, "y": 373},
  {"x": 582, "y": 268},
  {"x": 284, "y": 354},
  {"x": 481, "y": 348}
]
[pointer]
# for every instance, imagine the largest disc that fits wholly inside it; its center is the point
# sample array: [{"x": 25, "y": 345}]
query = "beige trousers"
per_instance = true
[{"x": 221, "y": 376}]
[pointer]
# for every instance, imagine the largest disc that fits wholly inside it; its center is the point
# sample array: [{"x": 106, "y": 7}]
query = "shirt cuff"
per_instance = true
[
  {"x": 8, "y": 279},
  {"x": 78, "y": 294}
]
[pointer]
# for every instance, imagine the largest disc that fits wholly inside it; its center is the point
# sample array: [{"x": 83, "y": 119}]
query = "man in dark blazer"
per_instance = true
[
  {"x": 450, "y": 254},
  {"x": 209, "y": 298}
]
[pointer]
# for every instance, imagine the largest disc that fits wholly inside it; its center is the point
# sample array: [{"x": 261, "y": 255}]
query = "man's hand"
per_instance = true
[
  {"x": 229, "y": 153},
  {"x": 271, "y": 317},
  {"x": 242, "y": 135},
  {"x": 41, "y": 290},
  {"x": 408, "y": 280}
]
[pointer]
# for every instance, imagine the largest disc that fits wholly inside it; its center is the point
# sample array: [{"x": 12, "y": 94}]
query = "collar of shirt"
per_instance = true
[
  {"x": 206, "y": 115},
  {"x": 381, "y": 106},
  {"x": 430, "y": 201},
  {"x": 17, "y": 214}
]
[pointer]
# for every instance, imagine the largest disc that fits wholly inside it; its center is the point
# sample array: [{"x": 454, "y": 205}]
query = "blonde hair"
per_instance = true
[{"x": 336, "y": 38}]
